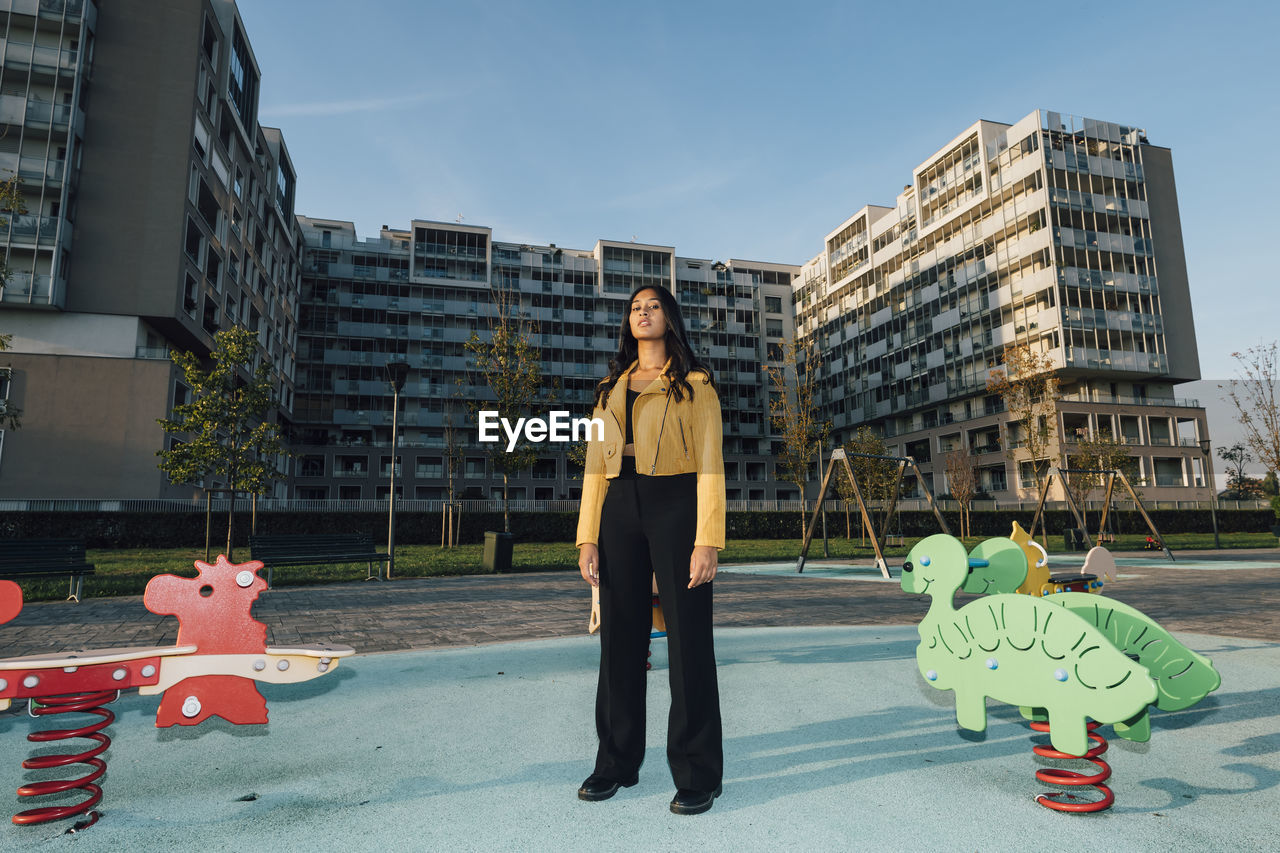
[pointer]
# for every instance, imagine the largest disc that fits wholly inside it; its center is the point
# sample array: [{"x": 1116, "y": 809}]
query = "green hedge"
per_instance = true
[{"x": 186, "y": 530}]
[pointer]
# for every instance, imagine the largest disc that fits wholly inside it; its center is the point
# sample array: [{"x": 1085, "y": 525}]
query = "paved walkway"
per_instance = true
[{"x": 424, "y": 613}]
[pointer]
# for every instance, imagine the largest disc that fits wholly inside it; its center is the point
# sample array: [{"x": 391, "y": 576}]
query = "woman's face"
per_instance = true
[{"x": 648, "y": 320}]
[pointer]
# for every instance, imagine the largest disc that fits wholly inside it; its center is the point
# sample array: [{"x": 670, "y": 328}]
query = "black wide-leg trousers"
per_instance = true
[{"x": 647, "y": 528}]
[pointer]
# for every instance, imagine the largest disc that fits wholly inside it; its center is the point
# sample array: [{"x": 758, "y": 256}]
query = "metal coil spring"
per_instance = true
[
  {"x": 81, "y": 703},
  {"x": 1070, "y": 778}
]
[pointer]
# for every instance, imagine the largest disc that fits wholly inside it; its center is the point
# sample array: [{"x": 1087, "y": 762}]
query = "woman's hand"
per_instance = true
[
  {"x": 589, "y": 563},
  {"x": 702, "y": 565}
]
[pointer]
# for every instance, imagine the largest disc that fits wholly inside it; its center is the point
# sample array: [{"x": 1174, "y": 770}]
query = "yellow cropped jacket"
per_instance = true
[{"x": 671, "y": 437}]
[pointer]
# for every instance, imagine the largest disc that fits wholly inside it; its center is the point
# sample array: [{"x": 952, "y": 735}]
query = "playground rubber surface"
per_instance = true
[
  {"x": 832, "y": 741},
  {"x": 475, "y": 729}
]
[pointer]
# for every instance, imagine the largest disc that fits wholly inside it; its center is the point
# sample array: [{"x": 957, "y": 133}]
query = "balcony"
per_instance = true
[
  {"x": 1125, "y": 400},
  {"x": 25, "y": 287},
  {"x": 45, "y": 113},
  {"x": 32, "y": 169},
  {"x": 47, "y": 59},
  {"x": 52, "y": 8},
  {"x": 28, "y": 228}
]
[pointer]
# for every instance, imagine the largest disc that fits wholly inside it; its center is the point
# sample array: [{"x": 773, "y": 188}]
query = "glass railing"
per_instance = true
[
  {"x": 43, "y": 112},
  {"x": 17, "y": 53},
  {"x": 1123, "y": 399},
  {"x": 70, "y": 8},
  {"x": 28, "y": 288},
  {"x": 27, "y": 226}
]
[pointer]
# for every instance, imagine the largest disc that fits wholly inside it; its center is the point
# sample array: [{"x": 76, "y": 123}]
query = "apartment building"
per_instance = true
[
  {"x": 158, "y": 211},
  {"x": 1057, "y": 232},
  {"x": 418, "y": 294}
]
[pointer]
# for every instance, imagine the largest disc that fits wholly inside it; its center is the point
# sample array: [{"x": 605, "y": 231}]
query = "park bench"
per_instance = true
[
  {"x": 46, "y": 558},
  {"x": 317, "y": 550}
]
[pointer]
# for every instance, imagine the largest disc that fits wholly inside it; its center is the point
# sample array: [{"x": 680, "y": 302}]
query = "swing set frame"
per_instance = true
[
  {"x": 902, "y": 462},
  {"x": 1111, "y": 474}
]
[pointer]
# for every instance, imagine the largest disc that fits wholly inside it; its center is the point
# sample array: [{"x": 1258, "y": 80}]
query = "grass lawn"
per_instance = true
[{"x": 126, "y": 572}]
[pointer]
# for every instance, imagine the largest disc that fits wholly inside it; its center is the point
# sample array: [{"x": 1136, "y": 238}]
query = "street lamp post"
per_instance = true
[
  {"x": 396, "y": 372},
  {"x": 1213, "y": 489}
]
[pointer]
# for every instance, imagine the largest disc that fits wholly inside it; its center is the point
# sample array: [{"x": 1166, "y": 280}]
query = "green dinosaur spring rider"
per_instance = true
[{"x": 1077, "y": 660}]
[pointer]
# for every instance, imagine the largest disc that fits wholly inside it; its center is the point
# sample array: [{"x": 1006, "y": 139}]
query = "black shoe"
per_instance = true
[
  {"x": 689, "y": 801},
  {"x": 598, "y": 788}
]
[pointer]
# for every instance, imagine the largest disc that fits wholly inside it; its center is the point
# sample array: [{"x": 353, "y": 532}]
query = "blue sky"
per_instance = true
[{"x": 750, "y": 130}]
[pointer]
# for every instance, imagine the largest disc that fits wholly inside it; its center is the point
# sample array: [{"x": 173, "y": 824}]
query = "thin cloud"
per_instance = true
[
  {"x": 704, "y": 183},
  {"x": 330, "y": 108}
]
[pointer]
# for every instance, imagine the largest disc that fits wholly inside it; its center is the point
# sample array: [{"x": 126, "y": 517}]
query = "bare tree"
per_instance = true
[
  {"x": 1028, "y": 384},
  {"x": 962, "y": 482},
  {"x": 10, "y": 415},
  {"x": 794, "y": 413},
  {"x": 1098, "y": 452},
  {"x": 1254, "y": 394},
  {"x": 875, "y": 476},
  {"x": 10, "y": 202},
  {"x": 454, "y": 458}
]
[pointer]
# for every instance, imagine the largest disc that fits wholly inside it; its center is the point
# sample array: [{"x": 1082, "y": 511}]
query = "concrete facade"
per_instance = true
[
  {"x": 1055, "y": 232},
  {"x": 418, "y": 294},
  {"x": 163, "y": 215}
]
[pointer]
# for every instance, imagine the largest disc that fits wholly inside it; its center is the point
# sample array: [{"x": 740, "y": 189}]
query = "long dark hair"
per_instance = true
[{"x": 682, "y": 357}]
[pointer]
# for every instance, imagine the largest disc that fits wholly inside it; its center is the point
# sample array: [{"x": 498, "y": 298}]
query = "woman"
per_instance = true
[{"x": 653, "y": 506}]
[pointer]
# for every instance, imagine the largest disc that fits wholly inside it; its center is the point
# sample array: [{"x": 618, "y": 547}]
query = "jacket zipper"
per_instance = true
[
  {"x": 682, "y": 441},
  {"x": 654, "y": 467}
]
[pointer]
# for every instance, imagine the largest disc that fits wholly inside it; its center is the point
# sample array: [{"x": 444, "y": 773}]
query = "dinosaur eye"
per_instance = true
[
  {"x": 907, "y": 567},
  {"x": 1060, "y": 674},
  {"x": 924, "y": 561}
]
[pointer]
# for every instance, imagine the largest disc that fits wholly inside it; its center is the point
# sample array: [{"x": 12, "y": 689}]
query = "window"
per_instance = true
[
  {"x": 212, "y": 267},
  {"x": 207, "y": 205},
  {"x": 202, "y": 139},
  {"x": 773, "y": 304},
  {"x": 210, "y": 319},
  {"x": 284, "y": 190},
  {"x": 209, "y": 43},
  {"x": 429, "y": 466},
  {"x": 773, "y": 328},
  {"x": 191, "y": 296},
  {"x": 242, "y": 82},
  {"x": 194, "y": 240},
  {"x": 475, "y": 467}
]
